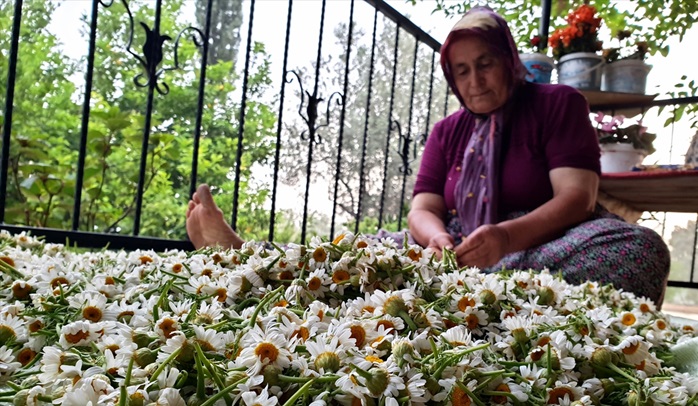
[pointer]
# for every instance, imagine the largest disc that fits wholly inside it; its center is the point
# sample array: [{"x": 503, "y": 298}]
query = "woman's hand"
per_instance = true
[
  {"x": 439, "y": 241},
  {"x": 484, "y": 247}
]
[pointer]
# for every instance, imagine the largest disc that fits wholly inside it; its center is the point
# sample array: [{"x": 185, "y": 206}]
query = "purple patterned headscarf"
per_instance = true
[{"x": 477, "y": 190}]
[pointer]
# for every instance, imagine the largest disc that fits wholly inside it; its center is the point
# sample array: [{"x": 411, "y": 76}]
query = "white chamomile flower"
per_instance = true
[
  {"x": 261, "y": 399},
  {"x": 79, "y": 333},
  {"x": 261, "y": 348}
]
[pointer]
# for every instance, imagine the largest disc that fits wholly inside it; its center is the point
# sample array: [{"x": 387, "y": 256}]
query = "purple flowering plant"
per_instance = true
[{"x": 609, "y": 130}]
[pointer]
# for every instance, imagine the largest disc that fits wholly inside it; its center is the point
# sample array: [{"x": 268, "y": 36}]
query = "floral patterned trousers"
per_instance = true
[{"x": 604, "y": 249}]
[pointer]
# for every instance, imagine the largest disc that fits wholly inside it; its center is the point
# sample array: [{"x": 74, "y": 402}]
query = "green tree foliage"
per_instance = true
[
  {"x": 46, "y": 126},
  {"x": 226, "y": 19}
]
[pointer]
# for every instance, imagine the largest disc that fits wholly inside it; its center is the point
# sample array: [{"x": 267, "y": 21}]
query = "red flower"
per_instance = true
[{"x": 580, "y": 35}]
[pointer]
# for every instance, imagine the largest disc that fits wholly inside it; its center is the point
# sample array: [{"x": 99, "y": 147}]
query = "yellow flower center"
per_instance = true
[
  {"x": 359, "y": 334},
  {"x": 558, "y": 394},
  {"x": 266, "y": 351},
  {"x": 92, "y": 314}
]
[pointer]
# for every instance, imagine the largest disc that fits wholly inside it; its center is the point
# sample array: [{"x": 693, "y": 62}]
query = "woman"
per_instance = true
[{"x": 510, "y": 180}]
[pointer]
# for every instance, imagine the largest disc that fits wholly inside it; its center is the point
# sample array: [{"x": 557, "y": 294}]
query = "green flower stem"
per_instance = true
[
  {"x": 495, "y": 373},
  {"x": 456, "y": 357},
  {"x": 127, "y": 379},
  {"x": 123, "y": 399},
  {"x": 300, "y": 392},
  {"x": 484, "y": 383},
  {"x": 212, "y": 372},
  {"x": 162, "y": 366},
  {"x": 615, "y": 368},
  {"x": 13, "y": 386},
  {"x": 200, "y": 378},
  {"x": 213, "y": 399},
  {"x": 500, "y": 393},
  {"x": 247, "y": 302},
  {"x": 25, "y": 374},
  {"x": 10, "y": 270},
  {"x": 407, "y": 319},
  {"x": 470, "y": 394},
  {"x": 303, "y": 379},
  {"x": 6, "y": 394},
  {"x": 268, "y": 298},
  {"x": 123, "y": 396},
  {"x": 276, "y": 247},
  {"x": 192, "y": 312},
  {"x": 174, "y": 275}
]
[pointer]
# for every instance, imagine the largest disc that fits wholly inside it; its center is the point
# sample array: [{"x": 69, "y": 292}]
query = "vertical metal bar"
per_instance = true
[
  {"x": 390, "y": 122},
  {"x": 544, "y": 24},
  {"x": 9, "y": 104},
  {"x": 431, "y": 88},
  {"x": 311, "y": 126},
  {"x": 200, "y": 104},
  {"x": 277, "y": 153},
  {"x": 84, "y": 125},
  {"x": 152, "y": 83},
  {"x": 340, "y": 140},
  {"x": 408, "y": 137},
  {"x": 241, "y": 129},
  {"x": 362, "y": 165},
  {"x": 695, "y": 248}
]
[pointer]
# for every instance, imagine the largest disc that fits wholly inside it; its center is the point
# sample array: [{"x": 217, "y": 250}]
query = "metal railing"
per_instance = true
[
  {"x": 397, "y": 117},
  {"x": 401, "y": 134}
]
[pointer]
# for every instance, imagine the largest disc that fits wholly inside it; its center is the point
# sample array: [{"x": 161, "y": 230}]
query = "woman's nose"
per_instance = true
[{"x": 477, "y": 78}]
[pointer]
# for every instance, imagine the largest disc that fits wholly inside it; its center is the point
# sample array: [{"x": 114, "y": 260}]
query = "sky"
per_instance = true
[{"x": 272, "y": 13}]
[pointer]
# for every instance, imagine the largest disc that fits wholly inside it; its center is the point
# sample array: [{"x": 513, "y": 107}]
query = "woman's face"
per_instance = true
[{"x": 479, "y": 75}]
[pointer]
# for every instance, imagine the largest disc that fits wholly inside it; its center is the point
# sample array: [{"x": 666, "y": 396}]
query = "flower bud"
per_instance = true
[
  {"x": 546, "y": 296},
  {"x": 195, "y": 400},
  {"x": 142, "y": 339},
  {"x": 403, "y": 350},
  {"x": 271, "y": 375},
  {"x": 378, "y": 381},
  {"x": 20, "y": 398},
  {"x": 144, "y": 357},
  {"x": 487, "y": 297},
  {"x": 601, "y": 357},
  {"x": 394, "y": 306},
  {"x": 520, "y": 335},
  {"x": 136, "y": 399},
  {"x": 355, "y": 280},
  {"x": 433, "y": 385},
  {"x": 328, "y": 362},
  {"x": 234, "y": 376}
]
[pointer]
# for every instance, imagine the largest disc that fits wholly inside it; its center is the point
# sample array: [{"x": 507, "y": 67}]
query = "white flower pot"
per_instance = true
[
  {"x": 620, "y": 157},
  {"x": 581, "y": 70},
  {"x": 539, "y": 66},
  {"x": 626, "y": 75}
]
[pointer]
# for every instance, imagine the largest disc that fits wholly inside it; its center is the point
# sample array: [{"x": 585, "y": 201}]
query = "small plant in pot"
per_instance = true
[
  {"x": 622, "y": 148},
  {"x": 625, "y": 70},
  {"x": 538, "y": 64}
]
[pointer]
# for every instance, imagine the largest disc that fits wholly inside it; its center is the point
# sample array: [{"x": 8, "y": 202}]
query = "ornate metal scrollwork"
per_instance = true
[
  {"x": 311, "y": 110},
  {"x": 153, "y": 51},
  {"x": 403, "y": 150}
]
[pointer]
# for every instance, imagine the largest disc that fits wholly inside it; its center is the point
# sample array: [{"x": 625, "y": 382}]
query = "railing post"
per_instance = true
[{"x": 9, "y": 104}]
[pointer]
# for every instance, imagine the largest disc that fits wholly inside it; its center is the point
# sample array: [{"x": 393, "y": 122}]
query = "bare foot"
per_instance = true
[{"x": 206, "y": 226}]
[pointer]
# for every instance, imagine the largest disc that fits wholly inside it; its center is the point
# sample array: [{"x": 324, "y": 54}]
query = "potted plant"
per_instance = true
[
  {"x": 625, "y": 69},
  {"x": 622, "y": 148},
  {"x": 539, "y": 65},
  {"x": 576, "y": 47}
]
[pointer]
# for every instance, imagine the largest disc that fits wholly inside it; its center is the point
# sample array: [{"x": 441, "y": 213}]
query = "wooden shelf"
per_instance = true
[
  {"x": 672, "y": 191},
  {"x": 627, "y": 104}
]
